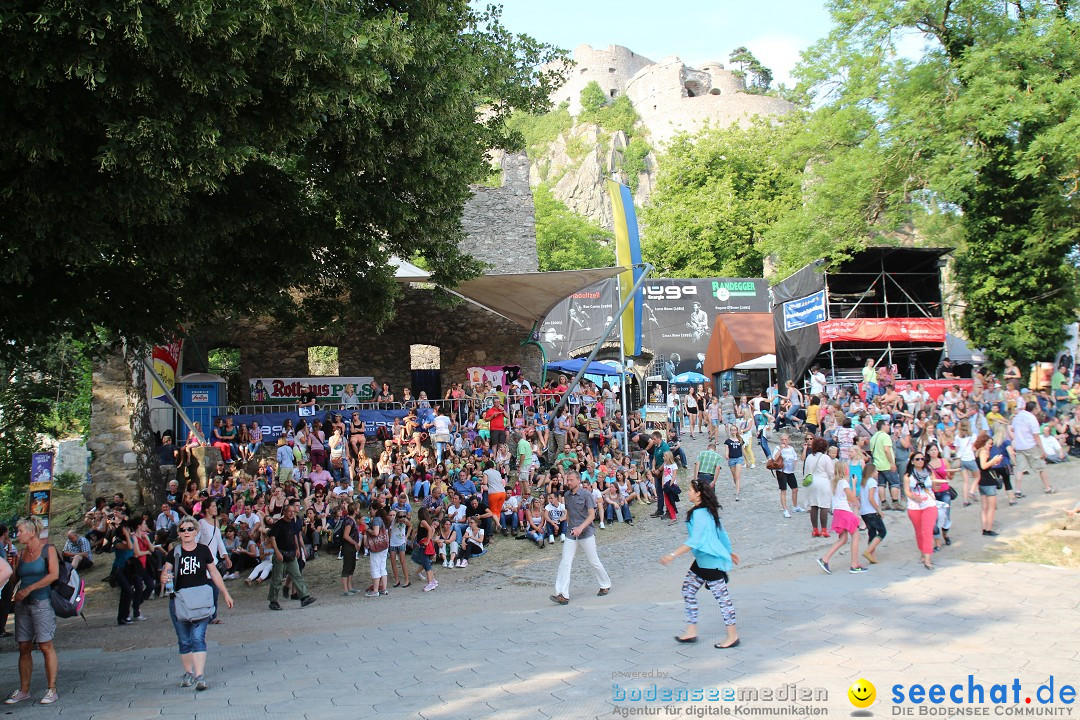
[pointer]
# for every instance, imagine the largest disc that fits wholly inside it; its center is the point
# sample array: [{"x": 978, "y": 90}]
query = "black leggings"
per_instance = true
[{"x": 819, "y": 517}]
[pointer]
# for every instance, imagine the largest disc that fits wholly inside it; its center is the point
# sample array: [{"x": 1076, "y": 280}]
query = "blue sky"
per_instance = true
[{"x": 776, "y": 32}]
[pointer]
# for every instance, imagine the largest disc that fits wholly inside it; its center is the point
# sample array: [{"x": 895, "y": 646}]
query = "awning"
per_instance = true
[
  {"x": 527, "y": 298},
  {"x": 573, "y": 367},
  {"x": 765, "y": 362},
  {"x": 737, "y": 338}
]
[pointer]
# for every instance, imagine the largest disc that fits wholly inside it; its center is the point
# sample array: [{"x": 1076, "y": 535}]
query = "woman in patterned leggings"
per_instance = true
[{"x": 713, "y": 558}]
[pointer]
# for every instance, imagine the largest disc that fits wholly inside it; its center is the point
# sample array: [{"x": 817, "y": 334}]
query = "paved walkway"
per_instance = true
[{"x": 494, "y": 646}]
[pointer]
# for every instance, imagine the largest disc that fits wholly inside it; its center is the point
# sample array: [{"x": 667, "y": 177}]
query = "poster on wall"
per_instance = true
[
  {"x": 41, "y": 482},
  {"x": 327, "y": 389},
  {"x": 500, "y": 376},
  {"x": 677, "y": 316}
]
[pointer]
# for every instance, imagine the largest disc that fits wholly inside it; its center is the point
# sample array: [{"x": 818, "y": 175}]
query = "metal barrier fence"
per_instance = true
[{"x": 167, "y": 419}]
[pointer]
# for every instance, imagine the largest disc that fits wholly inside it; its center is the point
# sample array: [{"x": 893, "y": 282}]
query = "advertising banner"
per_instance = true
[
  {"x": 165, "y": 358},
  {"x": 882, "y": 330},
  {"x": 41, "y": 482},
  {"x": 326, "y": 389},
  {"x": 805, "y": 312},
  {"x": 500, "y": 376},
  {"x": 676, "y": 319},
  {"x": 656, "y": 396},
  {"x": 935, "y": 388},
  {"x": 272, "y": 424}
]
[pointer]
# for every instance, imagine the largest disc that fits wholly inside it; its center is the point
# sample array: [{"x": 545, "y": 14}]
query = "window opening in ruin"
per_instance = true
[
  {"x": 612, "y": 92},
  {"x": 225, "y": 361},
  {"x": 714, "y": 91},
  {"x": 690, "y": 93},
  {"x": 611, "y": 70},
  {"x": 322, "y": 360}
]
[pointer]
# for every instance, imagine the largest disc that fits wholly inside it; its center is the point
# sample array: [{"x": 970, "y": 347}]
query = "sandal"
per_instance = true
[{"x": 405, "y": 585}]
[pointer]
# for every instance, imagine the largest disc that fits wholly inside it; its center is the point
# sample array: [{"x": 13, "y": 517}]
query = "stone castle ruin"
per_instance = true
[{"x": 668, "y": 95}]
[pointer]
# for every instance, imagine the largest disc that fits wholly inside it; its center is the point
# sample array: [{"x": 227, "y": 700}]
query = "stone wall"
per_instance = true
[
  {"x": 466, "y": 335},
  {"x": 499, "y": 223},
  {"x": 113, "y": 466},
  {"x": 611, "y": 67}
]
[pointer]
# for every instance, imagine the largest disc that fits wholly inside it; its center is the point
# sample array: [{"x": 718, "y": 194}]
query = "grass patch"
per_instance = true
[{"x": 1040, "y": 547}]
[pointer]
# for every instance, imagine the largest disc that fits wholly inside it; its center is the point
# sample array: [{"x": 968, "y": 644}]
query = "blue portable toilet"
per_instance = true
[{"x": 203, "y": 397}]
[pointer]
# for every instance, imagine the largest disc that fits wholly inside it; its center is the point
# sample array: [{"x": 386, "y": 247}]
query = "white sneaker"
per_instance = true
[
  {"x": 551, "y": 539},
  {"x": 786, "y": 513},
  {"x": 562, "y": 538},
  {"x": 798, "y": 509},
  {"x": 602, "y": 526}
]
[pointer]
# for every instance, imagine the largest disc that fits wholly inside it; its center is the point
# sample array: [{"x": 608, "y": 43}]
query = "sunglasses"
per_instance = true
[
  {"x": 187, "y": 529},
  {"x": 918, "y": 458}
]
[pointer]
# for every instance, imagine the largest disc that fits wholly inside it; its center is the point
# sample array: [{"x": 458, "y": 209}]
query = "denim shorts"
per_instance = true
[
  {"x": 888, "y": 478},
  {"x": 397, "y": 548},
  {"x": 736, "y": 461},
  {"x": 988, "y": 490},
  {"x": 970, "y": 465}
]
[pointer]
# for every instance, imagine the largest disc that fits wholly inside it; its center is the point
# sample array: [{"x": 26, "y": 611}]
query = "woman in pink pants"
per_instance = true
[{"x": 922, "y": 506}]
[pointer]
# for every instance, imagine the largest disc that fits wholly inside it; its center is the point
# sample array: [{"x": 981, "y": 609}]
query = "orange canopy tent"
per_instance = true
[{"x": 736, "y": 338}]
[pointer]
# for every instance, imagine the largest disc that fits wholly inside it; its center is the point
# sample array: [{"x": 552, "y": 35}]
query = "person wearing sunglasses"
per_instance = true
[
  {"x": 922, "y": 506},
  {"x": 189, "y": 566}
]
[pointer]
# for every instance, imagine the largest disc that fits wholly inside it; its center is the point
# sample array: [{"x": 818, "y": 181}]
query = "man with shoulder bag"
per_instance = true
[{"x": 285, "y": 539}]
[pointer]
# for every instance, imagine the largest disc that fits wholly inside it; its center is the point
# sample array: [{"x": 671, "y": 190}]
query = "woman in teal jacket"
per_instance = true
[{"x": 713, "y": 558}]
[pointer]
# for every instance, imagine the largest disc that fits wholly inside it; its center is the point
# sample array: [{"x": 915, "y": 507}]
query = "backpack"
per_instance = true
[
  {"x": 68, "y": 592},
  {"x": 337, "y": 540}
]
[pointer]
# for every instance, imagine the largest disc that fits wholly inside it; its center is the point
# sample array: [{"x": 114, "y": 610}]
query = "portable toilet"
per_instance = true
[{"x": 203, "y": 398}]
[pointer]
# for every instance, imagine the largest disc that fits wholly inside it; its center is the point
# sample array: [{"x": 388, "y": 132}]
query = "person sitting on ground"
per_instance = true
[{"x": 77, "y": 551}]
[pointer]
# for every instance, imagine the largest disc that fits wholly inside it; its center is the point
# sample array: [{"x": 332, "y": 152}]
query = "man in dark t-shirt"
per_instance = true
[
  {"x": 285, "y": 538},
  {"x": 479, "y": 510}
]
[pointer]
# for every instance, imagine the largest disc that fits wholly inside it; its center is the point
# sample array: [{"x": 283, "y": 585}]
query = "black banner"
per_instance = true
[{"x": 677, "y": 317}]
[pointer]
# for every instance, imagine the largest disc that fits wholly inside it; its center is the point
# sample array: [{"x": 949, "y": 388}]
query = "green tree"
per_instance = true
[
  {"x": 46, "y": 389},
  {"x": 593, "y": 99},
  {"x": 718, "y": 191},
  {"x": 150, "y": 153},
  {"x": 758, "y": 77},
  {"x": 982, "y": 124},
  {"x": 565, "y": 240},
  {"x": 168, "y": 165}
]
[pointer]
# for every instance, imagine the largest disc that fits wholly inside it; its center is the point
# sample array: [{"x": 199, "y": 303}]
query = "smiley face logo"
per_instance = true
[{"x": 862, "y": 693}]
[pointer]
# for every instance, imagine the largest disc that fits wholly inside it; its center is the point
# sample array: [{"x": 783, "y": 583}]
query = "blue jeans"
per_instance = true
[
  {"x": 764, "y": 442},
  {"x": 460, "y": 528},
  {"x": 609, "y": 511},
  {"x": 191, "y": 636},
  {"x": 421, "y": 485},
  {"x": 510, "y": 520},
  {"x": 557, "y": 530}
]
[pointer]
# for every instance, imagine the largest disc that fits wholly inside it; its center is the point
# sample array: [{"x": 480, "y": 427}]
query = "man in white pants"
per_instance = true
[{"x": 580, "y": 511}]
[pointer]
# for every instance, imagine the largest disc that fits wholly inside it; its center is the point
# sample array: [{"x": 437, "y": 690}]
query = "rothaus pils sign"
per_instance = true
[{"x": 326, "y": 389}]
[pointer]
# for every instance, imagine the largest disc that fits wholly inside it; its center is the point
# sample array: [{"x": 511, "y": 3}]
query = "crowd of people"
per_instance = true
[{"x": 455, "y": 474}]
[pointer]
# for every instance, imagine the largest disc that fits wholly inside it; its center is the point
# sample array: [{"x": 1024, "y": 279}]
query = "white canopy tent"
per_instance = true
[{"x": 765, "y": 362}]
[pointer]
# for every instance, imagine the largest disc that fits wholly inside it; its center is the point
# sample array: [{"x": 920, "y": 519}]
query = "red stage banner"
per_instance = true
[
  {"x": 883, "y": 330},
  {"x": 935, "y": 388}
]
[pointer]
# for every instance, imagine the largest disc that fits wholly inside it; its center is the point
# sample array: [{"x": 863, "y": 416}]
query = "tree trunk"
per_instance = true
[{"x": 149, "y": 479}]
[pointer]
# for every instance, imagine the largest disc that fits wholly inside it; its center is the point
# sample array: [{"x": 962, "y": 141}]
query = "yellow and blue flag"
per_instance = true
[{"x": 627, "y": 254}]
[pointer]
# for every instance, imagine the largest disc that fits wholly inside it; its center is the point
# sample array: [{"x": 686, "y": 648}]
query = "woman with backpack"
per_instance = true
[
  {"x": 189, "y": 574},
  {"x": 37, "y": 566}
]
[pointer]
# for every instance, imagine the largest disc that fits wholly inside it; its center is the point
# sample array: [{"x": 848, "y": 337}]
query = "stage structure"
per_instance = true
[{"x": 885, "y": 303}]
